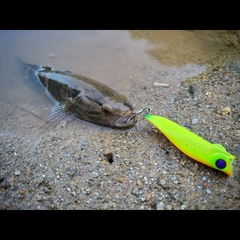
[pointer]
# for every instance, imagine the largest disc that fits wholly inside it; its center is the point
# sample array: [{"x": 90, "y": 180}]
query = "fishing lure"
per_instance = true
[{"x": 213, "y": 155}]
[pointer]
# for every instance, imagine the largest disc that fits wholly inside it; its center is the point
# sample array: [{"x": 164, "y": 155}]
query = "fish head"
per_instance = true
[
  {"x": 119, "y": 115},
  {"x": 105, "y": 112}
]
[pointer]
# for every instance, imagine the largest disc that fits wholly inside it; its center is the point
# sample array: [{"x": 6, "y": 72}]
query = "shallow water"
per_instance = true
[{"x": 115, "y": 58}]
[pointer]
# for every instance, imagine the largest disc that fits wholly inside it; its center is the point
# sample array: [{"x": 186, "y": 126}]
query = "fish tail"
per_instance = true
[{"x": 29, "y": 76}]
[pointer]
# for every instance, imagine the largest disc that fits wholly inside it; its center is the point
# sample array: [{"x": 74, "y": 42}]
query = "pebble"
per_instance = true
[
  {"x": 226, "y": 110},
  {"x": 192, "y": 174},
  {"x": 107, "y": 151},
  {"x": 183, "y": 207},
  {"x": 105, "y": 206},
  {"x": 139, "y": 183},
  {"x": 160, "y": 206},
  {"x": 208, "y": 191},
  {"x": 195, "y": 120},
  {"x": 17, "y": 173},
  {"x": 158, "y": 84},
  {"x": 84, "y": 144},
  {"x": 149, "y": 196},
  {"x": 162, "y": 182},
  {"x": 73, "y": 193},
  {"x": 121, "y": 180},
  {"x": 204, "y": 178},
  {"x": 169, "y": 207},
  {"x": 205, "y": 184},
  {"x": 109, "y": 155}
]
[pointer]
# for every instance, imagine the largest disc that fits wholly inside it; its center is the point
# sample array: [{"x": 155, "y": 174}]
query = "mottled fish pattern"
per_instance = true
[{"x": 84, "y": 97}]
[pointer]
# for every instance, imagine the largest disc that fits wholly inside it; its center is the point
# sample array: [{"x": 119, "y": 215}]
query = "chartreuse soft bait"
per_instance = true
[{"x": 213, "y": 155}]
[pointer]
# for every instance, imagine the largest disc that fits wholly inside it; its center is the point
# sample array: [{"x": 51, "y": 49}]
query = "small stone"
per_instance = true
[
  {"x": 204, "y": 178},
  {"x": 140, "y": 192},
  {"x": 109, "y": 155},
  {"x": 107, "y": 152},
  {"x": 175, "y": 181},
  {"x": 21, "y": 192},
  {"x": 183, "y": 207},
  {"x": 105, "y": 206},
  {"x": 139, "y": 183},
  {"x": 160, "y": 206},
  {"x": 17, "y": 173},
  {"x": 121, "y": 180},
  {"x": 227, "y": 127},
  {"x": 162, "y": 182},
  {"x": 182, "y": 162},
  {"x": 73, "y": 193},
  {"x": 205, "y": 184},
  {"x": 149, "y": 196},
  {"x": 168, "y": 207},
  {"x": 84, "y": 144},
  {"x": 208, "y": 191},
  {"x": 195, "y": 120},
  {"x": 158, "y": 84},
  {"x": 226, "y": 110}
]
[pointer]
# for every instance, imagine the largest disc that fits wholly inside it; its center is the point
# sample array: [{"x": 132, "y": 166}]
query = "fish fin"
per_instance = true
[{"x": 55, "y": 116}]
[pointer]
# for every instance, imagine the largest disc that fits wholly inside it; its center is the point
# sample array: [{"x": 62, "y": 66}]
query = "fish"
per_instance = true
[
  {"x": 213, "y": 155},
  {"x": 75, "y": 94}
]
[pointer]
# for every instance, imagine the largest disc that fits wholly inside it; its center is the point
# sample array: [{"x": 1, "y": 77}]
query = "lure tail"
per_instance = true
[{"x": 212, "y": 155}]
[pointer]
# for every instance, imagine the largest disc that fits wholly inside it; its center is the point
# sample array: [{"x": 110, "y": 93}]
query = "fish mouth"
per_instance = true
[{"x": 128, "y": 120}]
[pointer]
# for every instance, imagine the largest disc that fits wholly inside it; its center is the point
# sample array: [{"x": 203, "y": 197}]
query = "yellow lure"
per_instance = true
[{"x": 213, "y": 155}]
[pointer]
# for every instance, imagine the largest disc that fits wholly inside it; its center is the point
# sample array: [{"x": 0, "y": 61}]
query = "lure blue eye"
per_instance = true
[{"x": 221, "y": 163}]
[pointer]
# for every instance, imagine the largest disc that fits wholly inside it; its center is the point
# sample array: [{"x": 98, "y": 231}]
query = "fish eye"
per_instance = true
[
  {"x": 221, "y": 164},
  {"x": 106, "y": 109}
]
